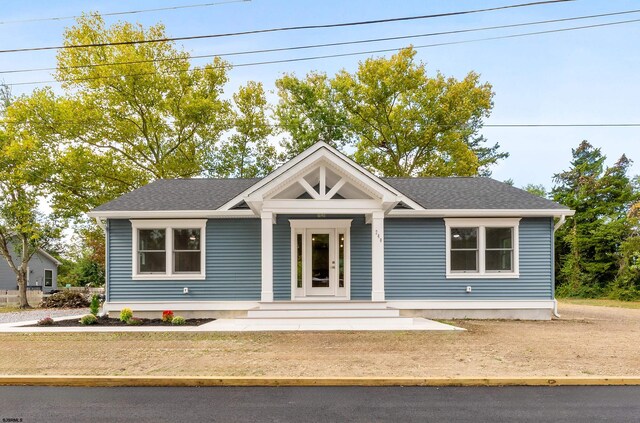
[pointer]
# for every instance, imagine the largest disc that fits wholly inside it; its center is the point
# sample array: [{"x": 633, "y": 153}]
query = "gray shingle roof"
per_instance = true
[
  {"x": 468, "y": 193},
  {"x": 179, "y": 194},
  {"x": 430, "y": 193}
]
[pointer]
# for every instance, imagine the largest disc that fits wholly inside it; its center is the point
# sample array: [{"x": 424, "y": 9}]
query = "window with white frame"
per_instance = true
[
  {"x": 482, "y": 248},
  {"x": 48, "y": 277},
  {"x": 168, "y": 249}
]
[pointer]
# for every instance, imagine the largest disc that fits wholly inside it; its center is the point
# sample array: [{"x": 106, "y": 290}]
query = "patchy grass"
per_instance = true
[
  {"x": 601, "y": 302},
  {"x": 586, "y": 340}
]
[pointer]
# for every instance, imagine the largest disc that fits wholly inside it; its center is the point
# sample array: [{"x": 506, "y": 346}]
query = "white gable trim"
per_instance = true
[{"x": 286, "y": 174}]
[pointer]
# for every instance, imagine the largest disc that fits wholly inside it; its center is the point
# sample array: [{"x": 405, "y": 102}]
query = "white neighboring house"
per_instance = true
[{"x": 42, "y": 274}]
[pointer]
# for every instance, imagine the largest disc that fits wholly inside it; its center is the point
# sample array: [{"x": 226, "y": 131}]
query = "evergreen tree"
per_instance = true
[{"x": 588, "y": 246}]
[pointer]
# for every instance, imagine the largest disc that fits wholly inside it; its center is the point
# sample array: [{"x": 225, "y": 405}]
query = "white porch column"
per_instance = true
[
  {"x": 267, "y": 257},
  {"x": 377, "y": 256}
]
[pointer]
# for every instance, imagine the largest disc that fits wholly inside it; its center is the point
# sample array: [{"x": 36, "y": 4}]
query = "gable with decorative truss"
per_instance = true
[{"x": 321, "y": 179}]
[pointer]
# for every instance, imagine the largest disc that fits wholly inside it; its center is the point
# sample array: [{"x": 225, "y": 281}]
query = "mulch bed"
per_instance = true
[{"x": 106, "y": 321}]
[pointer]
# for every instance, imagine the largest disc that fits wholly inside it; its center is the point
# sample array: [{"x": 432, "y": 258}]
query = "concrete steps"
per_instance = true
[
  {"x": 323, "y": 305},
  {"x": 322, "y": 313}
]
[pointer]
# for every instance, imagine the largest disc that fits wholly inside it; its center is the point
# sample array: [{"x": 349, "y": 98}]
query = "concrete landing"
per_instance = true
[{"x": 325, "y": 324}]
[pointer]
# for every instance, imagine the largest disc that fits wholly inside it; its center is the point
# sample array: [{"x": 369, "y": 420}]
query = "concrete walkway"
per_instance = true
[
  {"x": 326, "y": 324},
  {"x": 249, "y": 325}
]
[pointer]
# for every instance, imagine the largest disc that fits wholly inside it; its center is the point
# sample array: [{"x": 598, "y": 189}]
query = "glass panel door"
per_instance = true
[{"x": 321, "y": 262}]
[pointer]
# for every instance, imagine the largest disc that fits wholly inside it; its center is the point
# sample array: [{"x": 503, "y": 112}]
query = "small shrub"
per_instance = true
[
  {"x": 178, "y": 320},
  {"x": 126, "y": 314},
  {"x": 135, "y": 321},
  {"x": 47, "y": 321},
  {"x": 65, "y": 299},
  {"x": 89, "y": 319},
  {"x": 167, "y": 316},
  {"x": 95, "y": 305}
]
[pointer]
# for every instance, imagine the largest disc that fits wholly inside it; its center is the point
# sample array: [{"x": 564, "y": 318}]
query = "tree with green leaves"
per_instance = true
[
  {"x": 587, "y": 246},
  {"x": 23, "y": 171},
  {"x": 399, "y": 120},
  {"x": 534, "y": 189},
  {"x": 130, "y": 113},
  {"x": 247, "y": 153},
  {"x": 308, "y": 112}
]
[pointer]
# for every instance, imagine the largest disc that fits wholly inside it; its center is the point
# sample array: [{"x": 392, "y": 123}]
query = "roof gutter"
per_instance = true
[
  {"x": 563, "y": 219},
  {"x": 171, "y": 214},
  {"x": 482, "y": 213}
]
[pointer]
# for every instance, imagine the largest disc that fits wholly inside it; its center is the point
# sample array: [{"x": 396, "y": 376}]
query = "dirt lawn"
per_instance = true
[{"x": 587, "y": 340}]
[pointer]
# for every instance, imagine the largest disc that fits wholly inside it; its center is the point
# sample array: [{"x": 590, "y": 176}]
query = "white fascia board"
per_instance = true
[
  {"x": 482, "y": 213},
  {"x": 49, "y": 256},
  {"x": 173, "y": 214},
  {"x": 470, "y": 304},
  {"x": 287, "y": 167}
]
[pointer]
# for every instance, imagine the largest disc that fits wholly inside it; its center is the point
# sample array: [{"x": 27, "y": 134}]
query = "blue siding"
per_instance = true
[
  {"x": 360, "y": 257},
  {"x": 415, "y": 263},
  {"x": 232, "y": 265}
]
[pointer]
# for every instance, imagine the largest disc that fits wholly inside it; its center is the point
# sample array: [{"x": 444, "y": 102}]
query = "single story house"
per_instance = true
[
  {"x": 42, "y": 272},
  {"x": 323, "y": 233}
]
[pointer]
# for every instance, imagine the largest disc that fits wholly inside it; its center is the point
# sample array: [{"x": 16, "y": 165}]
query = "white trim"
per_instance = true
[
  {"x": 482, "y": 224},
  {"x": 173, "y": 214},
  {"x": 315, "y": 153},
  {"x": 266, "y": 223},
  {"x": 168, "y": 225},
  {"x": 335, "y": 227},
  {"x": 44, "y": 278},
  {"x": 470, "y": 304},
  {"x": 481, "y": 213},
  {"x": 377, "y": 256},
  {"x": 116, "y": 306},
  {"x": 320, "y": 206},
  {"x": 49, "y": 256},
  {"x": 321, "y": 223},
  {"x": 307, "y": 187},
  {"x": 113, "y": 306}
]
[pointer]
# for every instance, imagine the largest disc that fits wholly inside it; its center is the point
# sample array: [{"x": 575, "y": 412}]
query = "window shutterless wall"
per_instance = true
[
  {"x": 415, "y": 263},
  {"x": 232, "y": 266}
]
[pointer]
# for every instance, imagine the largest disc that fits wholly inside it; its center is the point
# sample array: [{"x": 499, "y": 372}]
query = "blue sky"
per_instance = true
[{"x": 585, "y": 76}]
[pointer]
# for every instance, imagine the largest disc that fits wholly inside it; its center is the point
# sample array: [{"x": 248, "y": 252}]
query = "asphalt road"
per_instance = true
[{"x": 397, "y": 404}]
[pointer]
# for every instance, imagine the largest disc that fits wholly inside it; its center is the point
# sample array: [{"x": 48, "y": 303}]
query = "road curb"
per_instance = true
[{"x": 132, "y": 381}]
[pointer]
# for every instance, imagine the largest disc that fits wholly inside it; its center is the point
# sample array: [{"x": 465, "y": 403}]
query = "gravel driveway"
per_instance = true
[{"x": 37, "y": 314}]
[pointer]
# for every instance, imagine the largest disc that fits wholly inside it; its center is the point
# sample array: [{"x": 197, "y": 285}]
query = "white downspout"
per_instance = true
[{"x": 557, "y": 226}]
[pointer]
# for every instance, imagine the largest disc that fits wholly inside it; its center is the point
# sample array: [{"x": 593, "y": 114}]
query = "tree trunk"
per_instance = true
[
  {"x": 22, "y": 288},
  {"x": 22, "y": 275}
]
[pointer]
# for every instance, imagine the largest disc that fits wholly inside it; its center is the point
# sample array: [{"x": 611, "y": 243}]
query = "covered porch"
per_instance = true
[{"x": 322, "y": 228}]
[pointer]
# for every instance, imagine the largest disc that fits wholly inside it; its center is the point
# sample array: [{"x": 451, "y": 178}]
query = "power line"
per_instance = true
[
  {"x": 290, "y": 28},
  {"x": 329, "y": 56},
  {"x": 334, "y": 44},
  {"x": 130, "y": 12}
]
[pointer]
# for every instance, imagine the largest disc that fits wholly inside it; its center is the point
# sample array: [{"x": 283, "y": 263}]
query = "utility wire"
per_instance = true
[
  {"x": 334, "y": 44},
  {"x": 290, "y": 28},
  {"x": 129, "y": 12},
  {"x": 328, "y": 56}
]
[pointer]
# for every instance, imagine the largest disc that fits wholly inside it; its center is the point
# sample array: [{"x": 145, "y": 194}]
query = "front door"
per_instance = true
[
  {"x": 320, "y": 260},
  {"x": 321, "y": 269}
]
